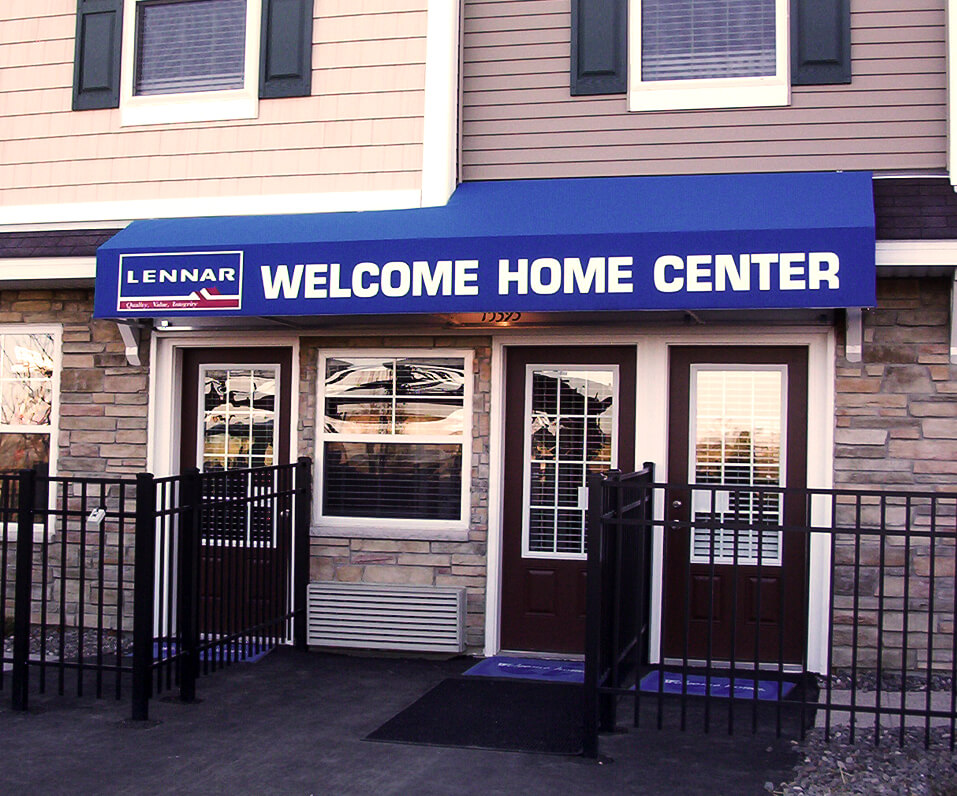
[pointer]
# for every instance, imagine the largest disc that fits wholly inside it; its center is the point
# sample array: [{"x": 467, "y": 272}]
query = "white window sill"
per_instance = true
[
  {"x": 369, "y": 531},
  {"x": 204, "y": 106},
  {"x": 705, "y": 94}
]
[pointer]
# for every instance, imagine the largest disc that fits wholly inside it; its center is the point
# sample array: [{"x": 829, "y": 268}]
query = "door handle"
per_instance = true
[{"x": 676, "y": 504}]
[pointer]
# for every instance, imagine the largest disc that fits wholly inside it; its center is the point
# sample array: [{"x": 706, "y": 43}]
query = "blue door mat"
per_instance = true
[
  {"x": 556, "y": 671},
  {"x": 696, "y": 685},
  {"x": 228, "y": 651}
]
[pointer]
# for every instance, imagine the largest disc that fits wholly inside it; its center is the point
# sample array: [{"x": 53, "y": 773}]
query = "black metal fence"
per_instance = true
[
  {"x": 148, "y": 583},
  {"x": 776, "y": 608}
]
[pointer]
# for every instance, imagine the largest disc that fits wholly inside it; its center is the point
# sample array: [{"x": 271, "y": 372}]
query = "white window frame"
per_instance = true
[
  {"x": 384, "y": 527},
  {"x": 194, "y": 106},
  {"x": 56, "y": 331},
  {"x": 720, "y": 560},
  {"x": 698, "y": 94},
  {"x": 527, "y": 449}
]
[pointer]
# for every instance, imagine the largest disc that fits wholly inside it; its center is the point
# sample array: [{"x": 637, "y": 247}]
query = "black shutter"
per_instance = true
[
  {"x": 285, "y": 63},
  {"x": 820, "y": 42},
  {"x": 599, "y": 47},
  {"x": 96, "y": 62}
]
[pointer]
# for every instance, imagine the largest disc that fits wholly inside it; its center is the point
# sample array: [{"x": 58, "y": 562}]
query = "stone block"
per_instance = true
[
  {"x": 348, "y": 573},
  {"x": 425, "y": 559},
  {"x": 393, "y": 574},
  {"x": 390, "y": 545},
  {"x": 860, "y": 436},
  {"x": 940, "y": 428}
]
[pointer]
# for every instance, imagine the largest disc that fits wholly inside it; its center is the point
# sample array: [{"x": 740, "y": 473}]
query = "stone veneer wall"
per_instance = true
[
  {"x": 896, "y": 429},
  {"x": 103, "y": 403},
  {"x": 394, "y": 559},
  {"x": 103, "y": 399}
]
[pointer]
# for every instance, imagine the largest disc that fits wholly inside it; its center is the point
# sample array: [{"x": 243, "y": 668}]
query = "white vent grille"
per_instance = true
[{"x": 372, "y": 616}]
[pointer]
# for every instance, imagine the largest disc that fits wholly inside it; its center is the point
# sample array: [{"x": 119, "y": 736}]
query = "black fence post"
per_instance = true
[
  {"x": 186, "y": 598},
  {"x": 611, "y": 596},
  {"x": 27, "y": 485},
  {"x": 144, "y": 594},
  {"x": 593, "y": 619},
  {"x": 300, "y": 566}
]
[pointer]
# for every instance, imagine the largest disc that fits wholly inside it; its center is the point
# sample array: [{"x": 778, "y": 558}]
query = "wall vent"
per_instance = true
[{"x": 373, "y": 616}]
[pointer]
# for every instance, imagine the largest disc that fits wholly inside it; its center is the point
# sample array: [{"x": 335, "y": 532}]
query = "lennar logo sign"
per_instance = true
[{"x": 202, "y": 281}]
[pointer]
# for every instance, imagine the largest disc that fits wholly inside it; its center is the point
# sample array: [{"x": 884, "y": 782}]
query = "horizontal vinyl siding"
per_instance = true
[
  {"x": 519, "y": 119},
  {"x": 360, "y": 131}
]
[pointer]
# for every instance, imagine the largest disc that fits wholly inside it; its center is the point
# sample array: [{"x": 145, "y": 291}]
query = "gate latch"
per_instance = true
[{"x": 96, "y": 516}]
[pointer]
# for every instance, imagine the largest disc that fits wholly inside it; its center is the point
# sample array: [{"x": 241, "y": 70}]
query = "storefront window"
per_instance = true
[{"x": 392, "y": 437}]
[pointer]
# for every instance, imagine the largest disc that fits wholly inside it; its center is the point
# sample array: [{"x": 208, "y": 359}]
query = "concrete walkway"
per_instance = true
[{"x": 294, "y": 722}]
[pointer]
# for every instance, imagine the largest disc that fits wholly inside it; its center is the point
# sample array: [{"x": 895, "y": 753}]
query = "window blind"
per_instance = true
[
  {"x": 394, "y": 480},
  {"x": 196, "y": 45},
  {"x": 696, "y": 39}
]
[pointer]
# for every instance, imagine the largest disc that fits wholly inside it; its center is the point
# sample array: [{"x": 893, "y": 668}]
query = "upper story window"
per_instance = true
[
  {"x": 190, "y": 60},
  {"x": 688, "y": 54},
  {"x": 162, "y": 61}
]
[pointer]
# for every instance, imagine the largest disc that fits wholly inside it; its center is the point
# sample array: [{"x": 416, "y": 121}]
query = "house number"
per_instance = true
[{"x": 501, "y": 317}]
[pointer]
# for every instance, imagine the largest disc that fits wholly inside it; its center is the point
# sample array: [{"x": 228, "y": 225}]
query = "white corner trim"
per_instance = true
[
  {"x": 854, "y": 334},
  {"x": 131, "y": 339},
  {"x": 953, "y": 320},
  {"x": 440, "y": 122},
  {"x": 951, "y": 37},
  {"x": 493, "y": 563},
  {"x": 25, "y": 269},
  {"x": 95, "y": 212}
]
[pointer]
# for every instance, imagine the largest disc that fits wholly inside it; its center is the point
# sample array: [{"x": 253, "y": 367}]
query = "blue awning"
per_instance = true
[{"x": 629, "y": 243}]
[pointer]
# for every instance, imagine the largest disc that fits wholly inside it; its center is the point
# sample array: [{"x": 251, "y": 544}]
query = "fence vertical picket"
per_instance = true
[
  {"x": 27, "y": 485},
  {"x": 187, "y": 643},
  {"x": 300, "y": 566},
  {"x": 144, "y": 573}
]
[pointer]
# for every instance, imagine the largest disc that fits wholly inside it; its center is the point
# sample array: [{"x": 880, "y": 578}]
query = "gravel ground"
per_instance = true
[
  {"x": 830, "y": 769},
  {"x": 71, "y": 643}
]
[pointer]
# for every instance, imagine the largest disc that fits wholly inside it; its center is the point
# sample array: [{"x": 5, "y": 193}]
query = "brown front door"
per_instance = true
[
  {"x": 569, "y": 411},
  {"x": 235, "y": 416},
  {"x": 737, "y": 420}
]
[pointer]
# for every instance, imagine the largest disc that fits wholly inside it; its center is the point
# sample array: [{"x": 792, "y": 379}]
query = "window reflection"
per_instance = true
[
  {"x": 239, "y": 418},
  {"x": 389, "y": 401},
  {"x": 572, "y": 432}
]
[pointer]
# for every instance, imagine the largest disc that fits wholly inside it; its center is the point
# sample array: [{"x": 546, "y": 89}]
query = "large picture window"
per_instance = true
[
  {"x": 394, "y": 437},
  {"x": 708, "y": 54}
]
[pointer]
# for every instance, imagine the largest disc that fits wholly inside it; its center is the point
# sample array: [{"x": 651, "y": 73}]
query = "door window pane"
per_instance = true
[
  {"x": 571, "y": 431},
  {"x": 239, "y": 418},
  {"x": 737, "y": 420}
]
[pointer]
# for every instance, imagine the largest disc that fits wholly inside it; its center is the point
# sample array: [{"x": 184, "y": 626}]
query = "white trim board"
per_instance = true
[
  {"x": 186, "y": 207},
  {"x": 42, "y": 269},
  {"x": 440, "y": 123}
]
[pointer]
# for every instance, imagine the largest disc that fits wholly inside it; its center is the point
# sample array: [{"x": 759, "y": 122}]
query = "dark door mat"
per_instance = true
[{"x": 505, "y": 715}]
